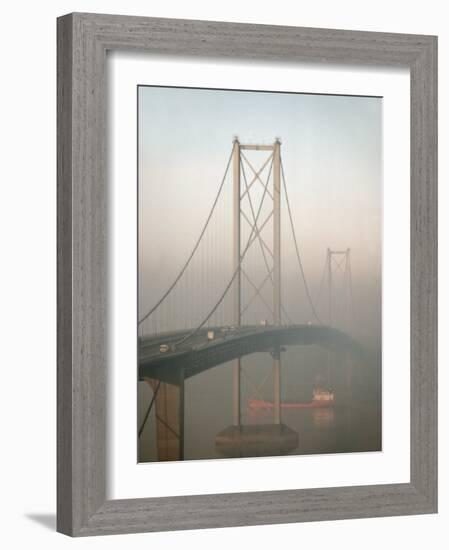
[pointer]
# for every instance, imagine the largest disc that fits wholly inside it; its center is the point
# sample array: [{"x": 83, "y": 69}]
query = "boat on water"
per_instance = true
[{"x": 321, "y": 398}]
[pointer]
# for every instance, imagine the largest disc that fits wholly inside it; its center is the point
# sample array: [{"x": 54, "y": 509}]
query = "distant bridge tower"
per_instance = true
[
  {"x": 341, "y": 313},
  {"x": 339, "y": 265},
  {"x": 271, "y": 254}
]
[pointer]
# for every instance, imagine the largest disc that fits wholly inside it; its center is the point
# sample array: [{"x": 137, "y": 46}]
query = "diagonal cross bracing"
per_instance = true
[
  {"x": 257, "y": 229},
  {"x": 257, "y": 175},
  {"x": 263, "y": 246},
  {"x": 261, "y": 228},
  {"x": 234, "y": 275},
  {"x": 257, "y": 235},
  {"x": 257, "y": 291}
]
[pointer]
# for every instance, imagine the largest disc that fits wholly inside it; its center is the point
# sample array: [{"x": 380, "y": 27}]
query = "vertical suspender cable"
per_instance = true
[{"x": 306, "y": 286}]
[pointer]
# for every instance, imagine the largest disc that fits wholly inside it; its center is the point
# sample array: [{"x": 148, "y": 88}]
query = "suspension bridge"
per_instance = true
[{"x": 229, "y": 300}]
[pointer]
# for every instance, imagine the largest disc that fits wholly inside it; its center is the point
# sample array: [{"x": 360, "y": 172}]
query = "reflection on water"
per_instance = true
[
  {"x": 323, "y": 418},
  {"x": 352, "y": 424}
]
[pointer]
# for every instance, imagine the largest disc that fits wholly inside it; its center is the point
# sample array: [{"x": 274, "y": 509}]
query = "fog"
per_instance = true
[
  {"x": 331, "y": 149},
  {"x": 331, "y": 152}
]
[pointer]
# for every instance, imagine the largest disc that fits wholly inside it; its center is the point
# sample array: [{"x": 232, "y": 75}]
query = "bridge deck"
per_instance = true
[{"x": 199, "y": 353}]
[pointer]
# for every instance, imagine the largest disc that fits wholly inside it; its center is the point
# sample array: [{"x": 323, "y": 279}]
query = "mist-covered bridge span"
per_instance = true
[
  {"x": 216, "y": 311},
  {"x": 231, "y": 343}
]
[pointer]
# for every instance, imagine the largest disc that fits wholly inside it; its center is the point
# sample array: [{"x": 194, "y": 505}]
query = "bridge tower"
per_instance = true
[
  {"x": 339, "y": 261},
  {"x": 275, "y": 438},
  {"x": 340, "y": 315},
  {"x": 275, "y": 252},
  {"x": 250, "y": 205}
]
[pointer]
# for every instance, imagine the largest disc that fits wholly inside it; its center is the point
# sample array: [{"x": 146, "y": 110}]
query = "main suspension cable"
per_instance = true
[
  {"x": 228, "y": 286},
  {"x": 195, "y": 248}
]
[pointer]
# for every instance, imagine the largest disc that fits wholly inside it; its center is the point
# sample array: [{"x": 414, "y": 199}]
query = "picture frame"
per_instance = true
[{"x": 83, "y": 40}]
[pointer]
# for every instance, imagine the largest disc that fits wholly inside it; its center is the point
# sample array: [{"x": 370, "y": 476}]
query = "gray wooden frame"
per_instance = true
[{"x": 83, "y": 40}]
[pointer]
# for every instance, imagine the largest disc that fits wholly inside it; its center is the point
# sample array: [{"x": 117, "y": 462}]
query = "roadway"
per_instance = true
[{"x": 198, "y": 353}]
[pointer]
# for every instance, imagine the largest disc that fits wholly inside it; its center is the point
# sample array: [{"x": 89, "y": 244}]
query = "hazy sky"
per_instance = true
[{"x": 332, "y": 156}]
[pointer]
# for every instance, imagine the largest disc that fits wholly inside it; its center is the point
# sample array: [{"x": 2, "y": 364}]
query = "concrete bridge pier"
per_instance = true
[
  {"x": 240, "y": 440},
  {"x": 169, "y": 403},
  {"x": 343, "y": 368},
  {"x": 340, "y": 379},
  {"x": 343, "y": 374},
  {"x": 349, "y": 375},
  {"x": 276, "y": 354}
]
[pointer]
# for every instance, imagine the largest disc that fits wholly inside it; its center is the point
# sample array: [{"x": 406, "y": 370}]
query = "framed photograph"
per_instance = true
[{"x": 247, "y": 274}]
